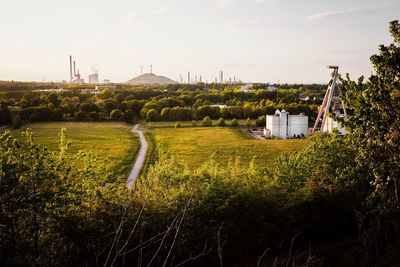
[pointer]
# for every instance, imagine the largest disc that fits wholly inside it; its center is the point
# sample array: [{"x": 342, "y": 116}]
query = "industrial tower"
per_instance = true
[{"x": 332, "y": 104}]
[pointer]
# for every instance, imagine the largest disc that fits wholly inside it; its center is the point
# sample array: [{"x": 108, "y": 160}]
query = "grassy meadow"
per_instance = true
[
  {"x": 111, "y": 140},
  {"x": 194, "y": 146}
]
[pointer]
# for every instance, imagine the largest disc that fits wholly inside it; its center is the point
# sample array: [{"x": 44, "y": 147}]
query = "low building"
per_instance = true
[
  {"x": 246, "y": 88},
  {"x": 282, "y": 125}
]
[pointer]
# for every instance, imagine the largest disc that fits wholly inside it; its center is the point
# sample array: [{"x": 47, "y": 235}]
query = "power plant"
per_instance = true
[{"x": 75, "y": 76}]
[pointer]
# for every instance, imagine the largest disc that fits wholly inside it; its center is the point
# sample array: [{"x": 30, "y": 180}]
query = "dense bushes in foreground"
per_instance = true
[{"x": 53, "y": 214}]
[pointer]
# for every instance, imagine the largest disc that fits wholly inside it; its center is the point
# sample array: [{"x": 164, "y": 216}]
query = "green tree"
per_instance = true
[
  {"x": 234, "y": 123},
  {"x": 207, "y": 122},
  {"x": 375, "y": 122},
  {"x": 128, "y": 115},
  {"x": 260, "y": 122},
  {"x": 16, "y": 122},
  {"x": 220, "y": 122},
  {"x": 116, "y": 115},
  {"x": 165, "y": 114},
  {"x": 152, "y": 115}
]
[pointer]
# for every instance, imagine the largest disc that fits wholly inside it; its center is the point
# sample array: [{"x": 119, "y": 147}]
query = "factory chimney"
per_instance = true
[
  {"x": 189, "y": 77},
  {"x": 74, "y": 69},
  {"x": 70, "y": 68}
]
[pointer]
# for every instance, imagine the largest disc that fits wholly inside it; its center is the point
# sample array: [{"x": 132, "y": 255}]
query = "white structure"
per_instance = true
[
  {"x": 282, "y": 125},
  {"x": 246, "y": 88},
  {"x": 331, "y": 107},
  {"x": 331, "y": 124},
  {"x": 94, "y": 78}
]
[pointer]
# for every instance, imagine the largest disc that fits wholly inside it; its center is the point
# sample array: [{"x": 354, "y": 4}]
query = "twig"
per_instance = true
[
  {"x": 130, "y": 235},
  {"x": 163, "y": 239},
  {"x": 220, "y": 245},
  {"x": 291, "y": 247},
  {"x": 202, "y": 253},
  {"x": 116, "y": 236},
  {"x": 262, "y": 256},
  {"x": 177, "y": 231}
]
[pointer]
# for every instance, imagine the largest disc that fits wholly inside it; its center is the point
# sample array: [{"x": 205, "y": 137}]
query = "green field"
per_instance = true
[
  {"x": 194, "y": 145},
  {"x": 110, "y": 140}
]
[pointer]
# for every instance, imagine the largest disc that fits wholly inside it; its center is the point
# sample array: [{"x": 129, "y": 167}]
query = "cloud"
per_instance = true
[{"x": 326, "y": 14}]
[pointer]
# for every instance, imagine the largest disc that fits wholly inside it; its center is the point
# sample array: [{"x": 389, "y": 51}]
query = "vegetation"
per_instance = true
[
  {"x": 149, "y": 103},
  {"x": 108, "y": 140},
  {"x": 62, "y": 208},
  {"x": 194, "y": 145}
]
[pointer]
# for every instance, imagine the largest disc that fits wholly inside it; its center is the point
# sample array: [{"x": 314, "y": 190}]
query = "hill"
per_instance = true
[{"x": 151, "y": 78}]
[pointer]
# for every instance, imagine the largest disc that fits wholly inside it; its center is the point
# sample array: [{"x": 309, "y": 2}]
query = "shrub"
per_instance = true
[
  {"x": 207, "y": 122},
  {"x": 234, "y": 123},
  {"x": 178, "y": 125},
  {"x": 94, "y": 116},
  {"x": 260, "y": 122},
  {"x": 152, "y": 115},
  {"x": 128, "y": 115},
  {"x": 249, "y": 123},
  {"x": 221, "y": 122},
  {"x": 80, "y": 116},
  {"x": 194, "y": 123},
  {"x": 17, "y": 122},
  {"x": 116, "y": 115}
]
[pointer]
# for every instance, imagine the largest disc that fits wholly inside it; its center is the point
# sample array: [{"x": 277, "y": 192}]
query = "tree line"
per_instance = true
[{"x": 149, "y": 104}]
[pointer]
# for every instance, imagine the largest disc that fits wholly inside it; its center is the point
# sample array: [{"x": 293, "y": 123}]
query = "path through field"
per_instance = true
[{"x": 140, "y": 158}]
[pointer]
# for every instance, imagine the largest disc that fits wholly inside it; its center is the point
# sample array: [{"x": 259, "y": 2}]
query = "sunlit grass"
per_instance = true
[
  {"x": 110, "y": 140},
  {"x": 194, "y": 145}
]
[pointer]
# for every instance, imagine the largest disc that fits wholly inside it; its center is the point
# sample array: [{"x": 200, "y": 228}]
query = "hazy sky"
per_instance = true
[{"x": 257, "y": 40}]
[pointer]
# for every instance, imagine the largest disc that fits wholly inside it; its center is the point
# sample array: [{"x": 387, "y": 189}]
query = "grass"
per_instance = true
[
  {"x": 110, "y": 140},
  {"x": 194, "y": 146}
]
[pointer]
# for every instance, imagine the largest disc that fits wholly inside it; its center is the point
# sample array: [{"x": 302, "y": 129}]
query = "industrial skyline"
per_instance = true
[{"x": 258, "y": 40}]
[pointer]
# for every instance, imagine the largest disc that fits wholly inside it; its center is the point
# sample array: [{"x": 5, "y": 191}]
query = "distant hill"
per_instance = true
[{"x": 151, "y": 78}]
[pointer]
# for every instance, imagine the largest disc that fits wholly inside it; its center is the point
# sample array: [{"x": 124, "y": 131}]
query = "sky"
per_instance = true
[{"x": 286, "y": 41}]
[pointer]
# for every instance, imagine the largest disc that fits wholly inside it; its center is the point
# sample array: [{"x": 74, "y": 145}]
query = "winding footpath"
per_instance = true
[{"x": 135, "y": 172}]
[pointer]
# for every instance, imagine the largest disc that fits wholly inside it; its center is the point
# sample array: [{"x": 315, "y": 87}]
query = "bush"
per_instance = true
[
  {"x": 152, "y": 115},
  {"x": 116, "y": 115},
  {"x": 260, "y": 122},
  {"x": 234, "y": 123},
  {"x": 207, "y": 122},
  {"x": 178, "y": 125},
  {"x": 80, "y": 116},
  {"x": 194, "y": 123},
  {"x": 17, "y": 122},
  {"x": 128, "y": 115},
  {"x": 221, "y": 122},
  {"x": 94, "y": 116},
  {"x": 249, "y": 123}
]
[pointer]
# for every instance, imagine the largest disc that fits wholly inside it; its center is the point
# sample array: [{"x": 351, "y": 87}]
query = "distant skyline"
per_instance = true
[{"x": 256, "y": 40}]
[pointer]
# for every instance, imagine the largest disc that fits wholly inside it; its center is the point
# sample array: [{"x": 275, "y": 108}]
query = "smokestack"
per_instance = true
[
  {"x": 70, "y": 68},
  {"x": 188, "y": 76},
  {"x": 74, "y": 69}
]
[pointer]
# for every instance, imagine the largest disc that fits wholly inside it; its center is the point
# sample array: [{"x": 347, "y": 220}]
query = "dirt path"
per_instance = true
[{"x": 135, "y": 172}]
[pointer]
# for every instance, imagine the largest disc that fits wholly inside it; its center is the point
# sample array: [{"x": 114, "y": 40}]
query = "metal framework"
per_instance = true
[{"x": 331, "y": 102}]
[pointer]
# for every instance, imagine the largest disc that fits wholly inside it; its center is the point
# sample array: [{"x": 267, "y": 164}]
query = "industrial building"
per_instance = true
[
  {"x": 75, "y": 77},
  {"x": 94, "y": 78},
  {"x": 282, "y": 125},
  {"x": 333, "y": 105}
]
